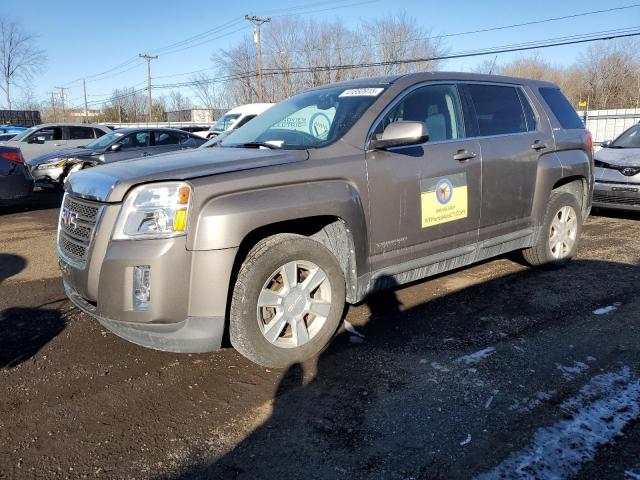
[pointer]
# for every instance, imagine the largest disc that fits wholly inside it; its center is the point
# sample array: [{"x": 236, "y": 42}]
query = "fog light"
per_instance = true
[{"x": 141, "y": 287}]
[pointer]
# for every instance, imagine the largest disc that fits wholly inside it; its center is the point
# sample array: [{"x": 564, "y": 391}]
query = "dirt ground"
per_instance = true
[{"x": 495, "y": 371}]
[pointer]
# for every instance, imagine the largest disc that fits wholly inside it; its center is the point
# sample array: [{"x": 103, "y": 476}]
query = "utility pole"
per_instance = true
[
  {"x": 86, "y": 107},
  {"x": 53, "y": 108},
  {"x": 148, "y": 58},
  {"x": 62, "y": 89},
  {"x": 257, "y": 21}
]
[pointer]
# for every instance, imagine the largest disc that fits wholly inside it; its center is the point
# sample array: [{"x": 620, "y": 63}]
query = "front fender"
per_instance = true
[{"x": 224, "y": 221}]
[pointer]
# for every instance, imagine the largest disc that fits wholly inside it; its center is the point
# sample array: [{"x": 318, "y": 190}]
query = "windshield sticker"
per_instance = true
[
  {"x": 443, "y": 199},
  {"x": 362, "y": 92}
]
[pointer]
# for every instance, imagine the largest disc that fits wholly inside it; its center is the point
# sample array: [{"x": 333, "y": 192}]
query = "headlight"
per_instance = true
[
  {"x": 55, "y": 163},
  {"x": 157, "y": 210}
]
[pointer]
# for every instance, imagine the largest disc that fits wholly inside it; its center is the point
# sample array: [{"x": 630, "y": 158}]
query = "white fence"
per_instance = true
[{"x": 608, "y": 124}]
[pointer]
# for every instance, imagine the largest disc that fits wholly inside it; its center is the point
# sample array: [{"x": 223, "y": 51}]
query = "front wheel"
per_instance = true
[
  {"x": 558, "y": 238},
  {"x": 287, "y": 302}
]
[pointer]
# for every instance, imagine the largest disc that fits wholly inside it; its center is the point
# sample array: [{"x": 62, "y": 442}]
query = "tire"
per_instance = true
[
  {"x": 253, "y": 328},
  {"x": 543, "y": 253}
]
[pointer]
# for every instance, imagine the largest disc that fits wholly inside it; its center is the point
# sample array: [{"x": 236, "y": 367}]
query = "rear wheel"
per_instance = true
[
  {"x": 287, "y": 302},
  {"x": 558, "y": 238}
]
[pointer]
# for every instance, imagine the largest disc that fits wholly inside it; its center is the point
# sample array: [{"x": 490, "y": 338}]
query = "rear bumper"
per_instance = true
[
  {"x": 617, "y": 196},
  {"x": 16, "y": 186},
  {"x": 191, "y": 335}
]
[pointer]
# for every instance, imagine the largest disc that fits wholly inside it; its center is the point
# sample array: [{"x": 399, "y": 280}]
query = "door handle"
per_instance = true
[
  {"x": 58, "y": 144},
  {"x": 146, "y": 154},
  {"x": 539, "y": 145},
  {"x": 463, "y": 155}
]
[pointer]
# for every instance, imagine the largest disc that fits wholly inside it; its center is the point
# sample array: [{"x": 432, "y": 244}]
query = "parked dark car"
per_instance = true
[
  {"x": 52, "y": 169},
  {"x": 15, "y": 181}
]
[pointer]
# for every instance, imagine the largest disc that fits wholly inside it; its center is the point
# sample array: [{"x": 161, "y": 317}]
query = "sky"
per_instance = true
[{"x": 83, "y": 38}]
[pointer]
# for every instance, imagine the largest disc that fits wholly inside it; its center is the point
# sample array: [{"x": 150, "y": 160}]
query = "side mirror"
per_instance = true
[
  {"x": 39, "y": 140},
  {"x": 115, "y": 147},
  {"x": 400, "y": 134},
  {"x": 605, "y": 143}
]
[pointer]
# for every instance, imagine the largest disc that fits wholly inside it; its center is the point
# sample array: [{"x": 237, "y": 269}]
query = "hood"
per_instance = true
[
  {"x": 110, "y": 182},
  {"x": 621, "y": 157},
  {"x": 70, "y": 152}
]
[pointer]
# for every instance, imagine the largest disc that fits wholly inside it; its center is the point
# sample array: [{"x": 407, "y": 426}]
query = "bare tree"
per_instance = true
[
  {"x": 178, "y": 101},
  {"x": 20, "y": 59},
  {"x": 209, "y": 94}
]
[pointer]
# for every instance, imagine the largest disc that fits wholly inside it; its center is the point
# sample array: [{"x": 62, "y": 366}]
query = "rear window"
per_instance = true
[
  {"x": 561, "y": 108},
  {"x": 498, "y": 109}
]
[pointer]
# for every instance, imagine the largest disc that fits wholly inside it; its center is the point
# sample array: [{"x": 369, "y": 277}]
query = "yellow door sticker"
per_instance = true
[{"x": 443, "y": 199}]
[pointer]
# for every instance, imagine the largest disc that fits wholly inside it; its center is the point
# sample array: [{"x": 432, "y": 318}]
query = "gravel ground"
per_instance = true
[{"x": 493, "y": 371}]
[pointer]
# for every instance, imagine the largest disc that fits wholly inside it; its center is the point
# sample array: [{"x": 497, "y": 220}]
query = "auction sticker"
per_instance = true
[
  {"x": 443, "y": 199},
  {"x": 362, "y": 92}
]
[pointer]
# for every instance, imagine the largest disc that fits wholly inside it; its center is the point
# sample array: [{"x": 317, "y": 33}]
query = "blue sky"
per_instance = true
[{"x": 84, "y": 38}]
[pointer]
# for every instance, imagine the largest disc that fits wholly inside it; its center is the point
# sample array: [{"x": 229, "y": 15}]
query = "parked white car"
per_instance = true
[
  {"x": 237, "y": 117},
  {"x": 49, "y": 137}
]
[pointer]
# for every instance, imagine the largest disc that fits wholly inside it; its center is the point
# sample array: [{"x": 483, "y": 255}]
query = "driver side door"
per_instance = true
[
  {"x": 424, "y": 199},
  {"x": 134, "y": 145}
]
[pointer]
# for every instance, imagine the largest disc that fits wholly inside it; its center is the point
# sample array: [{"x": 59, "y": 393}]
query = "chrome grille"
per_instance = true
[{"x": 76, "y": 226}]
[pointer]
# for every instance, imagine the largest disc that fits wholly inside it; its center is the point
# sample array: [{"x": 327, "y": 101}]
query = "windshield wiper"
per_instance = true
[{"x": 256, "y": 145}]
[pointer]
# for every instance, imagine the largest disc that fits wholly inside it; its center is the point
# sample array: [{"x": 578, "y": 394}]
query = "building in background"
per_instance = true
[
  {"x": 23, "y": 118},
  {"x": 195, "y": 115}
]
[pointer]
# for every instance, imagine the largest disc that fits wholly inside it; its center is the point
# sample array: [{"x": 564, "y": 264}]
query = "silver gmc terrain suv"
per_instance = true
[{"x": 319, "y": 201}]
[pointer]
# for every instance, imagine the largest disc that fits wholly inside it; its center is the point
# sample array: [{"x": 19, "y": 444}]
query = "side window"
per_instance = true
[
  {"x": 438, "y": 106},
  {"x": 244, "y": 120},
  {"x": 184, "y": 139},
  {"x": 165, "y": 138},
  {"x": 561, "y": 108},
  {"x": 98, "y": 133},
  {"x": 80, "y": 133},
  {"x": 498, "y": 109},
  {"x": 528, "y": 111},
  {"x": 48, "y": 133},
  {"x": 135, "y": 140}
]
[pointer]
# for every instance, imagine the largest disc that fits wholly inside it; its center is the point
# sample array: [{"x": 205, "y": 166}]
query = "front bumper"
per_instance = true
[
  {"x": 619, "y": 196},
  {"x": 189, "y": 289},
  {"x": 191, "y": 335},
  {"x": 48, "y": 177}
]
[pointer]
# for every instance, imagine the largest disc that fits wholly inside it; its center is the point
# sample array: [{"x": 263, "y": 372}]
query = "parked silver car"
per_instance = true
[
  {"x": 48, "y": 137},
  {"x": 617, "y": 172},
  {"x": 52, "y": 169}
]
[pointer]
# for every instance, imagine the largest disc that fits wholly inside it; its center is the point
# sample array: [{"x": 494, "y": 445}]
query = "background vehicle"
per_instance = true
[
  {"x": 268, "y": 234},
  {"x": 12, "y": 129},
  {"x": 237, "y": 117},
  {"x": 617, "y": 172},
  {"x": 54, "y": 136},
  {"x": 6, "y": 136},
  {"x": 15, "y": 182},
  {"x": 52, "y": 169}
]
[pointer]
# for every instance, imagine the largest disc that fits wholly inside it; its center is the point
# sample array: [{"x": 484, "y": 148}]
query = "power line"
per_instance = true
[
  {"x": 554, "y": 42},
  {"x": 468, "y": 32}
]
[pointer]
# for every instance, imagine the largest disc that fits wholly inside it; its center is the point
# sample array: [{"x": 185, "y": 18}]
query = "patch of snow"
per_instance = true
[
  {"x": 591, "y": 359},
  {"x": 487, "y": 404},
  {"x": 466, "y": 441},
  {"x": 632, "y": 475},
  {"x": 528, "y": 404},
  {"x": 477, "y": 356},
  {"x": 352, "y": 330},
  {"x": 570, "y": 373},
  {"x": 440, "y": 368},
  {"x": 597, "y": 415},
  {"x": 607, "y": 309}
]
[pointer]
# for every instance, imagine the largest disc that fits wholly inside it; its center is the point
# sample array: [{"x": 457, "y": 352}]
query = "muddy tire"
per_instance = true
[
  {"x": 287, "y": 301},
  {"x": 558, "y": 238}
]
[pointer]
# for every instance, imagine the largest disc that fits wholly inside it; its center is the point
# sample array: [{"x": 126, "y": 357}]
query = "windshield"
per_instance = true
[
  {"x": 628, "y": 139},
  {"x": 225, "y": 122},
  {"x": 23, "y": 135},
  {"x": 104, "y": 141},
  {"x": 309, "y": 120}
]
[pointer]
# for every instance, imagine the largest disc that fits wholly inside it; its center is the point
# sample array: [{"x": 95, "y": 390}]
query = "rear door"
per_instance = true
[
  {"x": 512, "y": 138},
  {"x": 77, "y": 136},
  {"x": 164, "y": 141},
  {"x": 424, "y": 199},
  {"x": 133, "y": 145}
]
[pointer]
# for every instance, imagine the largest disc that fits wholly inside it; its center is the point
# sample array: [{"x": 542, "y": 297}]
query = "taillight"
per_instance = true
[
  {"x": 15, "y": 157},
  {"x": 588, "y": 140}
]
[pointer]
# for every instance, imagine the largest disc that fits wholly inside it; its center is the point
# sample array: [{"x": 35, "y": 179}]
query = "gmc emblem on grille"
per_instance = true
[{"x": 69, "y": 218}]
